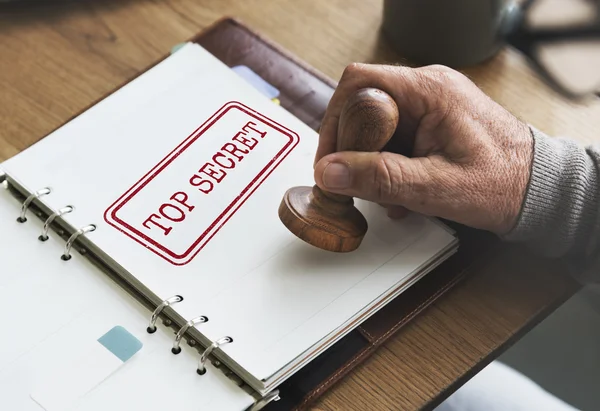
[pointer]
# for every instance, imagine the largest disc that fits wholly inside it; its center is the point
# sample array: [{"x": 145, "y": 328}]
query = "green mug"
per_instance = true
[{"x": 454, "y": 33}]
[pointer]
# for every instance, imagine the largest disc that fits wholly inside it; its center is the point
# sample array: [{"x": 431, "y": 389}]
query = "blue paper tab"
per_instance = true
[
  {"x": 258, "y": 82},
  {"x": 176, "y": 47},
  {"x": 121, "y": 343}
]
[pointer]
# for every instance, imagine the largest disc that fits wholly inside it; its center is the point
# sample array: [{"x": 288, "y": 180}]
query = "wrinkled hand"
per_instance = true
[{"x": 470, "y": 159}]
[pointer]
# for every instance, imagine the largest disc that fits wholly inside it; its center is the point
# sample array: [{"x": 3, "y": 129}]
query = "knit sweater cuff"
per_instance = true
[{"x": 560, "y": 215}]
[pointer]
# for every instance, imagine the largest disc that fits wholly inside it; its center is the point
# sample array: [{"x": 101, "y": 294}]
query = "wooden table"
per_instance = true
[{"x": 56, "y": 59}]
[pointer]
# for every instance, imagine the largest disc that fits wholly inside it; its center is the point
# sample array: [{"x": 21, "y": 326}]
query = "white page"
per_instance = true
[
  {"x": 56, "y": 310},
  {"x": 314, "y": 289},
  {"x": 99, "y": 159}
]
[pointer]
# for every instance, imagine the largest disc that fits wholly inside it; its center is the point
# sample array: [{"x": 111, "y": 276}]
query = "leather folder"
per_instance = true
[{"x": 305, "y": 92}]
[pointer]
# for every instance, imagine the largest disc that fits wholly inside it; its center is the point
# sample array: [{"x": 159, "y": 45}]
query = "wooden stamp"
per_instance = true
[{"x": 331, "y": 221}]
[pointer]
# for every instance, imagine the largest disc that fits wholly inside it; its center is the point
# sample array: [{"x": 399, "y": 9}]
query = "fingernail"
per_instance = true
[{"x": 336, "y": 176}]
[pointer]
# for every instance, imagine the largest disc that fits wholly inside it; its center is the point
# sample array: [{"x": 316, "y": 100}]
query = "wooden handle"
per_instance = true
[{"x": 367, "y": 122}]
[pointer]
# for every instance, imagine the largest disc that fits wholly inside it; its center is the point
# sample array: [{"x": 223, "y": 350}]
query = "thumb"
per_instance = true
[{"x": 378, "y": 177}]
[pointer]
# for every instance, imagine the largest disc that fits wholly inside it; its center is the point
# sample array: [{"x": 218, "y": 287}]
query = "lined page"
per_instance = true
[{"x": 300, "y": 295}]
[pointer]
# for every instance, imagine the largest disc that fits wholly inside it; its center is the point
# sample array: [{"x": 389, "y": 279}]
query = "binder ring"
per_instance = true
[
  {"x": 87, "y": 229},
  {"x": 272, "y": 396},
  {"x": 28, "y": 200},
  {"x": 171, "y": 300},
  {"x": 224, "y": 340},
  {"x": 64, "y": 210},
  {"x": 176, "y": 348}
]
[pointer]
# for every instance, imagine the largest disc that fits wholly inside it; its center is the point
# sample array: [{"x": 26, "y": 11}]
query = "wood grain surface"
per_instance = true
[{"x": 57, "y": 57}]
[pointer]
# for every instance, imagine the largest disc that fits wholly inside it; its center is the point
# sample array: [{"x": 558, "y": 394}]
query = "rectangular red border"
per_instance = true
[{"x": 110, "y": 215}]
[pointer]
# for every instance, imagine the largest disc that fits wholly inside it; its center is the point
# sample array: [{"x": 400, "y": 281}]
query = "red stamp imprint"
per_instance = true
[{"x": 179, "y": 205}]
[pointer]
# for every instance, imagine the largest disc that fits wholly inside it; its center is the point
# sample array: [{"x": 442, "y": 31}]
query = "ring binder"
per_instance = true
[
  {"x": 28, "y": 200},
  {"x": 133, "y": 280},
  {"x": 221, "y": 341},
  {"x": 171, "y": 300},
  {"x": 176, "y": 348},
  {"x": 84, "y": 230},
  {"x": 272, "y": 396},
  {"x": 50, "y": 219}
]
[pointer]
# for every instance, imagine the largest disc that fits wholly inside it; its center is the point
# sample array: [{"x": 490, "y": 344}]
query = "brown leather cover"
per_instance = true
[{"x": 305, "y": 93}]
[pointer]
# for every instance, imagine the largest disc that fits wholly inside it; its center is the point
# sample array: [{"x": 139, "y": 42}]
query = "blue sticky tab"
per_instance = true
[
  {"x": 177, "y": 47},
  {"x": 261, "y": 85},
  {"x": 121, "y": 343}
]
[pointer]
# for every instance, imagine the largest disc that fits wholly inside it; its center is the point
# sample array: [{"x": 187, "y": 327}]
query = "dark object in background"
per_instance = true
[
  {"x": 560, "y": 38},
  {"x": 455, "y": 33}
]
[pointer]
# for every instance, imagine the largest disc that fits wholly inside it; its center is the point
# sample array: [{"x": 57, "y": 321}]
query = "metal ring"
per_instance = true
[
  {"x": 272, "y": 396},
  {"x": 28, "y": 201},
  {"x": 201, "y": 369},
  {"x": 84, "y": 230},
  {"x": 171, "y": 300},
  {"x": 49, "y": 220},
  {"x": 176, "y": 349}
]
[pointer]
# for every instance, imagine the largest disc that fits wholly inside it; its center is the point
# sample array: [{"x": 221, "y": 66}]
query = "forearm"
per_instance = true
[{"x": 560, "y": 216}]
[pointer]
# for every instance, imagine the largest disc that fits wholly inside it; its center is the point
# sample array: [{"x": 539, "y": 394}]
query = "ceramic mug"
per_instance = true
[{"x": 455, "y": 33}]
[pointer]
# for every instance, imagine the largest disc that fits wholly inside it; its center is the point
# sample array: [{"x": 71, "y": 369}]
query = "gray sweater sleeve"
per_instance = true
[{"x": 560, "y": 216}]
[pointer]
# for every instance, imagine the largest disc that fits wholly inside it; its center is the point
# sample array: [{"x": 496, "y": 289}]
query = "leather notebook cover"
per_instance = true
[{"x": 305, "y": 93}]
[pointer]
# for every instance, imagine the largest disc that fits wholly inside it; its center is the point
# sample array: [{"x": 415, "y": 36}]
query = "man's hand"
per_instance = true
[{"x": 471, "y": 158}]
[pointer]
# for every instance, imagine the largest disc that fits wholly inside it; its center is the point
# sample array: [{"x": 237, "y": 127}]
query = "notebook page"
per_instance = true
[
  {"x": 54, "y": 313},
  {"x": 305, "y": 292},
  {"x": 137, "y": 176}
]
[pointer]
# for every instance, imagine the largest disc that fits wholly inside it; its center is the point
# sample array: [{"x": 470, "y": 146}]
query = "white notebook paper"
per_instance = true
[
  {"x": 55, "y": 313},
  {"x": 182, "y": 172}
]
